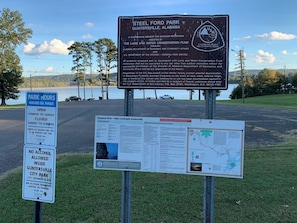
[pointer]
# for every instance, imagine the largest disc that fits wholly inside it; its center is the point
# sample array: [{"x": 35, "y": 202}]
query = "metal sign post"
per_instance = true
[
  {"x": 208, "y": 198},
  {"x": 38, "y": 212},
  {"x": 127, "y": 175}
]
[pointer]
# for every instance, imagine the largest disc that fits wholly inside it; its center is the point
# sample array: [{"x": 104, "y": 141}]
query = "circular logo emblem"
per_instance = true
[
  {"x": 207, "y": 34},
  {"x": 99, "y": 164}
]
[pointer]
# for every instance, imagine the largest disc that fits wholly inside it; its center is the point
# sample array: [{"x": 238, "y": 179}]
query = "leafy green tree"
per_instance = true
[
  {"x": 12, "y": 34},
  {"x": 294, "y": 79},
  {"x": 89, "y": 49},
  {"x": 76, "y": 50},
  {"x": 269, "y": 81},
  {"x": 106, "y": 51},
  {"x": 98, "y": 48},
  {"x": 266, "y": 82},
  {"x": 82, "y": 58}
]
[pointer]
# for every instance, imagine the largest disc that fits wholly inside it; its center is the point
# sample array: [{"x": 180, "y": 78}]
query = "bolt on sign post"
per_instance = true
[{"x": 39, "y": 159}]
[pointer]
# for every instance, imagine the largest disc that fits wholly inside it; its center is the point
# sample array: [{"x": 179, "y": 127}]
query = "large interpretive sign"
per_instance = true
[
  {"x": 169, "y": 145},
  {"x": 179, "y": 51}
]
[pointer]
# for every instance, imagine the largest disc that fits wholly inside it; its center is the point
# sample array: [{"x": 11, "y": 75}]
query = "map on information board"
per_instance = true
[
  {"x": 169, "y": 145},
  {"x": 215, "y": 151}
]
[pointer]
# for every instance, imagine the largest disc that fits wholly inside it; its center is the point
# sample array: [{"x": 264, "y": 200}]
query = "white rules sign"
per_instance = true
[{"x": 39, "y": 174}]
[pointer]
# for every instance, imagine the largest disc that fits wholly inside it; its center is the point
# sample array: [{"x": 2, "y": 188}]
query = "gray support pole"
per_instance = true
[
  {"x": 127, "y": 175},
  {"x": 38, "y": 212},
  {"x": 208, "y": 201},
  {"x": 129, "y": 95}
]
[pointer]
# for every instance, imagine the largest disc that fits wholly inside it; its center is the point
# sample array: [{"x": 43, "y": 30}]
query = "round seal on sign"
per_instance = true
[
  {"x": 99, "y": 164},
  {"x": 208, "y": 34}
]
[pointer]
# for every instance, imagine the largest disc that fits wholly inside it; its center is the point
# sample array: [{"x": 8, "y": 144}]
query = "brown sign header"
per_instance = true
[{"x": 173, "y": 52}]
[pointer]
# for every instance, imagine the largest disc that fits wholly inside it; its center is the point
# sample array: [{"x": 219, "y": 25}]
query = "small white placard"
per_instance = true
[{"x": 39, "y": 170}]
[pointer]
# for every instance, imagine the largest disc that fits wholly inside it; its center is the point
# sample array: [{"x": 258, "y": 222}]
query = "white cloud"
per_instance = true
[
  {"x": 54, "y": 46},
  {"x": 277, "y": 36},
  {"x": 49, "y": 69},
  {"x": 263, "y": 56},
  {"x": 245, "y": 38},
  {"x": 284, "y": 52},
  {"x": 88, "y": 36},
  {"x": 28, "y": 48},
  {"x": 89, "y": 24}
]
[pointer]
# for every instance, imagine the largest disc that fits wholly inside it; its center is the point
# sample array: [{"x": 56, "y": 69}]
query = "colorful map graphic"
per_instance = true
[{"x": 216, "y": 152}]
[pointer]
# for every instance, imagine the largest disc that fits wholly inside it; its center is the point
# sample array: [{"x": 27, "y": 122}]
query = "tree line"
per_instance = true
[
  {"x": 105, "y": 52},
  {"x": 64, "y": 80},
  {"x": 266, "y": 82}
]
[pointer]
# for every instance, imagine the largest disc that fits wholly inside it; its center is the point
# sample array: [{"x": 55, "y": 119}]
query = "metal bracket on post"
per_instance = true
[
  {"x": 127, "y": 175},
  {"x": 208, "y": 201}
]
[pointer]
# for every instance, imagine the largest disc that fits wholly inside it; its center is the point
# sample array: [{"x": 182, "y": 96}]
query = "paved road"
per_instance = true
[{"x": 76, "y": 124}]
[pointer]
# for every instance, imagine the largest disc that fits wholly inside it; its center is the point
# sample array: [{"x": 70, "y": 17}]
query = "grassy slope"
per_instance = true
[
  {"x": 284, "y": 101},
  {"x": 87, "y": 195}
]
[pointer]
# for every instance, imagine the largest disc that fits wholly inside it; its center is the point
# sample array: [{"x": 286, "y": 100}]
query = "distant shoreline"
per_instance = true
[{"x": 62, "y": 87}]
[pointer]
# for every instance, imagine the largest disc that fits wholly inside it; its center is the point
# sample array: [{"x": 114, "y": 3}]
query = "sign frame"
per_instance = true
[
  {"x": 41, "y": 118},
  {"x": 39, "y": 170},
  {"x": 173, "y": 52},
  {"x": 154, "y": 144}
]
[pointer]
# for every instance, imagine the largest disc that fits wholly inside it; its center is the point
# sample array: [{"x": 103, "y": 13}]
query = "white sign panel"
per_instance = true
[
  {"x": 169, "y": 145},
  {"x": 41, "y": 118},
  {"x": 39, "y": 164}
]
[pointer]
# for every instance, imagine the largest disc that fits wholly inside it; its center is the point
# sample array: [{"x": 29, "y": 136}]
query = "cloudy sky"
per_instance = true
[{"x": 265, "y": 29}]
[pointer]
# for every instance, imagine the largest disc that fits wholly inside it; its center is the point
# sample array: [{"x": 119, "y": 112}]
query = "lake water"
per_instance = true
[{"x": 115, "y": 93}]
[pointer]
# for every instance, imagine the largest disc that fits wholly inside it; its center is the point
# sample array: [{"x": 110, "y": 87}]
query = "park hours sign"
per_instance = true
[
  {"x": 41, "y": 118},
  {"x": 39, "y": 155}
]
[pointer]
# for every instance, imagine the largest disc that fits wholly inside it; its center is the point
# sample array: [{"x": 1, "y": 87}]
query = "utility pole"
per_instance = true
[
  {"x": 240, "y": 54},
  {"x": 241, "y": 73},
  {"x": 31, "y": 79}
]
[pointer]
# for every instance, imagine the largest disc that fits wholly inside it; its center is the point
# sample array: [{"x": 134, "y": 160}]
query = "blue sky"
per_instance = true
[{"x": 265, "y": 29}]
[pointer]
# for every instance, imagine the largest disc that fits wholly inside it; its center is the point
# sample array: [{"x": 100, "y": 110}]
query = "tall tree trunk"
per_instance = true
[
  {"x": 3, "y": 100},
  {"x": 78, "y": 93},
  {"x": 84, "y": 86},
  {"x": 107, "y": 80},
  {"x": 2, "y": 96},
  {"x": 102, "y": 87}
]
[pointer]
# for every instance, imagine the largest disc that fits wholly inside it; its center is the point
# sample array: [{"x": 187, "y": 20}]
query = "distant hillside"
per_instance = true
[
  {"x": 61, "y": 80},
  {"x": 68, "y": 79}
]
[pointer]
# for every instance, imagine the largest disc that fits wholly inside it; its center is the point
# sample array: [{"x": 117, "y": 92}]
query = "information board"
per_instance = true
[
  {"x": 39, "y": 168},
  {"x": 178, "y": 52},
  {"x": 169, "y": 145},
  {"x": 41, "y": 118}
]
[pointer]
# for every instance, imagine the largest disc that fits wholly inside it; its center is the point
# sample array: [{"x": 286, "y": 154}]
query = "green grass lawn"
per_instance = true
[
  {"x": 284, "y": 101},
  {"x": 267, "y": 193}
]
